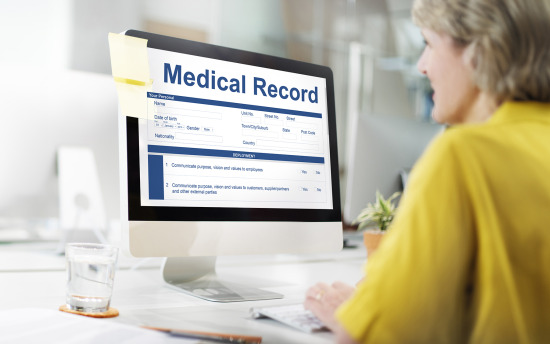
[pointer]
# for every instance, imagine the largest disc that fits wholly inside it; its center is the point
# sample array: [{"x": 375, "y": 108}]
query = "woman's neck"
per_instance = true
[{"x": 482, "y": 109}]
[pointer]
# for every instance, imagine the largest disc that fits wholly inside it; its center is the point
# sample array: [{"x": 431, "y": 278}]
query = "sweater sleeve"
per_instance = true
[{"x": 416, "y": 284}]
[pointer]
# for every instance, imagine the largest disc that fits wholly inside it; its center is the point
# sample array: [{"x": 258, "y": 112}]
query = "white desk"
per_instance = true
[{"x": 32, "y": 276}]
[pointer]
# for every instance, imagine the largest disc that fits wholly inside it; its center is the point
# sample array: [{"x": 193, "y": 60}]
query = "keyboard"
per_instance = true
[{"x": 292, "y": 315}]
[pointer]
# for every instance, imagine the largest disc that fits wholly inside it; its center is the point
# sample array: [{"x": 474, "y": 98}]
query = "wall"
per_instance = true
[{"x": 35, "y": 33}]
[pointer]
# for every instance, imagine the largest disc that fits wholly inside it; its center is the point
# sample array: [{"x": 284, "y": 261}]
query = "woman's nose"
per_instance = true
[{"x": 421, "y": 64}]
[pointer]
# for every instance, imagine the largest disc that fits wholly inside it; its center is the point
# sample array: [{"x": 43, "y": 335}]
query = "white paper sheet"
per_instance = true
[{"x": 34, "y": 325}]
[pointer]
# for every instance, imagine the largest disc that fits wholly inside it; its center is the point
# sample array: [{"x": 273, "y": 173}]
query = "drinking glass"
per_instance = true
[{"x": 90, "y": 276}]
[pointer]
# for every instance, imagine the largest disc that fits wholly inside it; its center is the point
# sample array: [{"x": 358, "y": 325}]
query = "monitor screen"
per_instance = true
[
  {"x": 237, "y": 155},
  {"x": 229, "y": 135},
  {"x": 396, "y": 143}
]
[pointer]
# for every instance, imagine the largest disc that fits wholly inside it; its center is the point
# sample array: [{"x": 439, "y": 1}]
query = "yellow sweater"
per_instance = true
[{"x": 467, "y": 258}]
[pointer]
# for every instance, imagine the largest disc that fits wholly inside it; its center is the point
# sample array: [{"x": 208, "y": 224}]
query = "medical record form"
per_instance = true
[{"x": 224, "y": 134}]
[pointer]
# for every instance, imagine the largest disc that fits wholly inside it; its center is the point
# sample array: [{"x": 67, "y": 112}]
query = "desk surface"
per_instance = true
[{"x": 33, "y": 276}]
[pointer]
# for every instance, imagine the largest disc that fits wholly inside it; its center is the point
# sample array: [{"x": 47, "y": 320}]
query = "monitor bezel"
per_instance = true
[{"x": 137, "y": 212}]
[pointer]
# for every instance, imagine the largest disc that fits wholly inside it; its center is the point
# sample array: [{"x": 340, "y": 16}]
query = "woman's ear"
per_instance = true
[{"x": 469, "y": 56}]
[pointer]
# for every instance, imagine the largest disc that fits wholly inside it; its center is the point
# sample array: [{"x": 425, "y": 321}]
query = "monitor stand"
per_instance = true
[{"x": 197, "y": 276}]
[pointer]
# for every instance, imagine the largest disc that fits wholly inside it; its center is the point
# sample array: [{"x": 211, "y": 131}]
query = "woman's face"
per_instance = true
[{"x": 455, "y": 94}]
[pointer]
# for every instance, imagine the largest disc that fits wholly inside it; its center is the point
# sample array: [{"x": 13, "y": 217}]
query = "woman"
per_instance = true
[{"x": 468, "y": 256}]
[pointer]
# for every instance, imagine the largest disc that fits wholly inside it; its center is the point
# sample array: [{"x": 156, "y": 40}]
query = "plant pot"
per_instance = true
[{"x": 372, "y": 239}]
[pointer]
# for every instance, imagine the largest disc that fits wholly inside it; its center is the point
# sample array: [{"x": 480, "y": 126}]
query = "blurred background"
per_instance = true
[{"x": 58, "y": 49}]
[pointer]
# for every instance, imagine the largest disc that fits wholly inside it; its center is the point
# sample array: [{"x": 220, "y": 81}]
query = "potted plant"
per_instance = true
[{"x": 375, "y": 219}]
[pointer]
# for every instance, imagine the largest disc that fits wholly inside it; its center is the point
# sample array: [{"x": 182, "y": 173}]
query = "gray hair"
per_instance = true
[{"x": 507, "y": 41}]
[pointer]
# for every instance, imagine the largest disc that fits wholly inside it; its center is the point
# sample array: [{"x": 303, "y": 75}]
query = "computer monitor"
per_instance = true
[
  {"x": 383, "y": 152},
  {"x": 45, "y": 109},
  {"x": 237, "y": 155}
]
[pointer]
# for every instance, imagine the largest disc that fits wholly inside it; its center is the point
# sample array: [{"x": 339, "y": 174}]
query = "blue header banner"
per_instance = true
[
  {"x": 232, "y": 105},
  {"x": 234, "y": 154}
]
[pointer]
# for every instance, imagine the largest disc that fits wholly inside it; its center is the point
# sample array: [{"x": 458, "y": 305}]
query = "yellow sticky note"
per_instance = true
[
  {"x": 130, "y": 68},
  {"x": 129, "y": 57}
]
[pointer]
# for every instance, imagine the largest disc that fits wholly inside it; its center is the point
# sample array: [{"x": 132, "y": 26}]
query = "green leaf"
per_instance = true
[{"x": 381, "y": 212}]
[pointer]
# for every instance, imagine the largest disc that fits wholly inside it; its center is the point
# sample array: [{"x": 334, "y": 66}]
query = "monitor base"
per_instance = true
[{"x": 197, "y": 276}]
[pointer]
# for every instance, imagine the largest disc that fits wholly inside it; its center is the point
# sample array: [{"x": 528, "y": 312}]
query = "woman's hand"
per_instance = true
[{"x": 323, "y": 300}]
